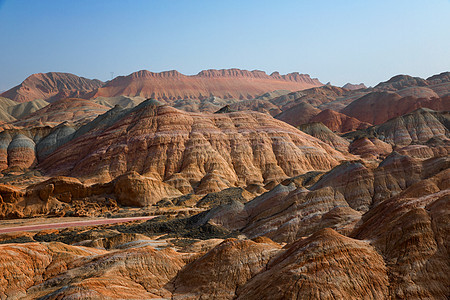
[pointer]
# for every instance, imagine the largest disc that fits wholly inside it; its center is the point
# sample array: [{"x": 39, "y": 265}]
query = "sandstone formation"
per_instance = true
[
  {"x": 298, "y": 114},
  {"x": 190, "y": 151},
  {"x": 314, "y": 96},
  {"x": 59, "y": 196},
  {"x": 22, "y": 110},
  {"x": 378, "y": 107},
  {"x": 399, "y": 82},
  {"x": 133, "y": 189},
  {"x": 439, "y": 84},
  {"x": 221, "y": 271},
  {"x": 208, "y": 105},
  {"x": 336, "y": 200},
  {"x": 418, "y": 126},
  {"x": 246, "y": 206},
  {"x": 338, "y": 122},
  {"x": 444, "y": 77},
  {"x": 4, "y": 114},
  {"x": 417, "y": 92},
  {"x": 69, "y": 109},
  {"x": 263, "y": 106},
  {"x": 5, "y": 103},
  {"x": 324, "y": 134},
  {"x": 55, "y": 270},
  {"x": 442, "y": 148},
  {"x": 350, "y": 86},
  {"x": 230, "y": 83},
  {"x": 411, "y": 232},
  {"x": 51, "y": 86},
  {"x": 22, "y": 266},
  {"x": 371, "y": 148},
  {"x": 123, "y": 101},
  {"x": 20, "y": 152},
  {"x": 326, "y": 265},
  {"x": 5, "y": 117}
]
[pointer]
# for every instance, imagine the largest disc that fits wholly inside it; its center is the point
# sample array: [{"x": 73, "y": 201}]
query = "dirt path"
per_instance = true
[{"x": 72, "y": 224}]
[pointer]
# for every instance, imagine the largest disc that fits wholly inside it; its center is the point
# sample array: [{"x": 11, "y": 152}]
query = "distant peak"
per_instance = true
[
  {"x": 164, "y": 74},
  {"x": 232, "y": 73},
  {"x": 399, "y": 78},
  {"x": 351, "y": 86}
]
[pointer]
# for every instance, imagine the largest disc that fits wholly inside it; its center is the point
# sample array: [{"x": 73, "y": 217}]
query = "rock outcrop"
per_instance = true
[
  {"x": 378, "y": 107},
  {"x": 411, "y": 232},
  {"x": 338, "y": 122},
  {"x": 191, "y": 151},
  {"x": 24, "y": 109},
  {"x": 65, "y": 110},
  {"x": 224, "y": 269},
  {"x": 51, "y": 86},
  {"x": 418, "y": 126},
  {"x": 56, "y": 270},
  {"x": 60, "y": 196},
  {"x": 350, "y": 86},
  {"x": 324, "y": 134},
  {"x": 370, "y": 148},
  {"x": 23, "y": 266},
  {"x": 326, "y": 265},
  {"x": 298, "y": 114},
  {"x": 399, "y": 82},
  {"x": 232, "y": 83}
]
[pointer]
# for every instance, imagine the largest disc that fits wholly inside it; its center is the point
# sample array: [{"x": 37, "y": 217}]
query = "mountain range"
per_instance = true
[{"x": 252, "y": 186}]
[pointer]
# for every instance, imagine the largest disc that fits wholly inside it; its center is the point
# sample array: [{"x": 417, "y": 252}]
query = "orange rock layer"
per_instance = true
[
  {"x": 231, "y": 83},
  {"x": 192, "y": 151}
]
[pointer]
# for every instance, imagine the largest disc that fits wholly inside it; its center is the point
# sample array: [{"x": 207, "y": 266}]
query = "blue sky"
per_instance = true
[{"x": 338, "y": 41}]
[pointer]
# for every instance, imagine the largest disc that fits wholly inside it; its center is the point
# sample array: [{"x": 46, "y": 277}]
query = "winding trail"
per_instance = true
[{"x": 72, "y": 224}]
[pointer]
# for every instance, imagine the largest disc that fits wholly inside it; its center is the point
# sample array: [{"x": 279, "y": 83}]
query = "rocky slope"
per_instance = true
[
  {"x": 326, "y": 265},
  {"x": 11, "y": 110},
  {"x": 420, "y": 127},
  {"x": 190, "y": 151},
  {"x": 338, "y": 122},
  {"x": 51, "y": 86},
  {"x": 411, "y": 232},
  {"x": 230, "y": 83},
  {"x": 397, "y": 249},
  {"x": 298, "y": 114},
  {"x": 378, "y": 107},
  {"x": 324, "y": 134},
  {"x": 350, "y": 86},
  {"x": 66, "y": 110},
  {"x": 417, "y": 127},
  {"x": 22, "y": 110},
  {"x": 285, "y": 215}
]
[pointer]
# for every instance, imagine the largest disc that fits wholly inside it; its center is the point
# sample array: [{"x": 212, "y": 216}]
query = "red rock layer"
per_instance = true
[
  {"x": 231, "y": 83},
  {"x": 370, "y": 148},
  {"x": 378, "y": 107},
  {"x": 339, "y": 122},
  {"x": 51, "y": 86},
  {"x": 298, "y": 114},
  {"x": 209, "y": 152}
]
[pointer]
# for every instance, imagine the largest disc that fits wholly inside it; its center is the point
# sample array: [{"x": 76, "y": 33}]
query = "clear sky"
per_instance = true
[{"x": 338, "y": 41}]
